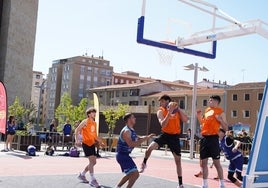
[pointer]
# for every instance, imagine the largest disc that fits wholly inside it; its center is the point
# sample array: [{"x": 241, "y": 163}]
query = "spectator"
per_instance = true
[
  {"x": 52, "y": 126},
  {"x": 11, "y": 131},
  {"x": 67, "y": 129}
]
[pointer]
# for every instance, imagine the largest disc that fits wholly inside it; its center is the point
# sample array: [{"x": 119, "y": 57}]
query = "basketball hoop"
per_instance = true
[{"x": 165, "y": 55}]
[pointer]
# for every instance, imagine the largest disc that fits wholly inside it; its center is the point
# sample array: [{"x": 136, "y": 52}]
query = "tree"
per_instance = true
[
  {"x": 112, "y": 115},
  {"x": 66, "y": 110},
  {"x": 30, "y": 111},
  {"x": 80, "y": 110},
  {"x": 17, "y": 110}
]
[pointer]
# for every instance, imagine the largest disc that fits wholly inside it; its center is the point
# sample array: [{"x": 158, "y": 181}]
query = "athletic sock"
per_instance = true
[
  {"x": 83, "y": 173},
  {"x": 145, "y": 160},
  {"x": 222, "y": 182},
  {"x": 205, "y": 183},
  {"x": 92, "y": 176},
  {"x": 180, "y": 180}
]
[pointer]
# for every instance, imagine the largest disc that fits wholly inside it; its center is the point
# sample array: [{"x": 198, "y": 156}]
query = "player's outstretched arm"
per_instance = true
[{"x": 130, "y": 143}]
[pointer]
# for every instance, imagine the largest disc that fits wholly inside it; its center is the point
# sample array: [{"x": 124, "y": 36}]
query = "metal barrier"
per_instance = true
[{"x": 22, "y": 142}]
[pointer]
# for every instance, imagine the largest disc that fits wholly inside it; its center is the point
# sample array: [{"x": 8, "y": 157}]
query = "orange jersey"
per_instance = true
[
  {"x": 210, "y": 124},
  {"x": 173, "y": 125},
  {"x": 89, "y": 133}
]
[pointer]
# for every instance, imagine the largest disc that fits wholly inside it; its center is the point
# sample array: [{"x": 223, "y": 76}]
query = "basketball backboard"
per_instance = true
[{"x": 190, "y": 26}]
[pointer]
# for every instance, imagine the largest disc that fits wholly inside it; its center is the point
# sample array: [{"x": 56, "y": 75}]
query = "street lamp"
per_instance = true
[
  {"x": 41, "y": 87},
  {"x": 193, "y": 116}
]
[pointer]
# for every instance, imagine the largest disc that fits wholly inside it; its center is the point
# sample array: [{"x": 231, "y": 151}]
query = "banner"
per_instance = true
[
  {"x": 97, "y": 107},
  {"x": 3, "y": 108}
]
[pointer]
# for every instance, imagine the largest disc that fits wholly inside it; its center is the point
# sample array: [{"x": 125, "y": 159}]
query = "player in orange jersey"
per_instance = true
[
  {"x": 87, "y": 128},
  {"x": 214, "y": 118},
  {"x": 169, "y": 116}
]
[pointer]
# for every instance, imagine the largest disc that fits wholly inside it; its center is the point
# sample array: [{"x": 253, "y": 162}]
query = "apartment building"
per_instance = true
[
  {"x": 75, "y": 75},
  {"x": 17, "y": 39},
  {"x": 243, "y": 103},
  {"x": 38, "y": 94}
]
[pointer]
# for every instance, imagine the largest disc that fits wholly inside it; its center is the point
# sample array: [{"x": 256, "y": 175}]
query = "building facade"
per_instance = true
[
  {"x": 18, "y": 20},
  {"x": 75, "y": 76},
  {"x": 243, "y": 103},
  {"x": 38, "y": 95},
  {"x": 130, "y": 94}
]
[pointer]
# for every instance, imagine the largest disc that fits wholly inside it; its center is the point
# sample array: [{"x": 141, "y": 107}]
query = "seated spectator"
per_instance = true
[{"x": 67, "y": 129}]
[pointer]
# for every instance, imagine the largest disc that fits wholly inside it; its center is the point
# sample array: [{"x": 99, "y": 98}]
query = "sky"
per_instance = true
[{"x": 67, "y": 28}]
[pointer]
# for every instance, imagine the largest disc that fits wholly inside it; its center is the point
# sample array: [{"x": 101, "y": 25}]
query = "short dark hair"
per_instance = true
[
  {"x": 164, "y": 97},
  {"x": 216, "y": 97},
  {"x": 127, "y": 116},
  {"x": 222, "y": 130},
  {"x": 91, "y": 109}
]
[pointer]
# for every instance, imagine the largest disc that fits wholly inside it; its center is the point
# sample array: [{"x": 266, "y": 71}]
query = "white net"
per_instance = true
[{"x": 165, "y": 56}]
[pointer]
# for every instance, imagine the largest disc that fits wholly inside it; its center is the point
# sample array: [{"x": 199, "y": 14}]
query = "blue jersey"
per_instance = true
[
  {"x": 227, "y": 145},
  {"x": 67, "y": 129},
  {"x": 11, "y": 128},
  {"x": 122, "y": 146}
]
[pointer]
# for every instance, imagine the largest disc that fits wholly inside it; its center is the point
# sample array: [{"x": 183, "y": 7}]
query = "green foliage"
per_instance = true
[
  {"x": 80, "y": 110},
  {"x": 112, "y": 115},
  {"x": 67, "y": 111},
  {"x": 17, "y": 110},
  {"x": 30, "y": 111}
]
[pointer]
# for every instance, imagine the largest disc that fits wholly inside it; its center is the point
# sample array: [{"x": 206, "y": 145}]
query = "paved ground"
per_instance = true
[{"x": 19, "y": 170}]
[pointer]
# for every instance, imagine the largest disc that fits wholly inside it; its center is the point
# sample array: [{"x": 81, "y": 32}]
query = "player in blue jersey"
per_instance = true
[
  {"x": 126, "y": 143},
  {"x": 229, "y": 146}
]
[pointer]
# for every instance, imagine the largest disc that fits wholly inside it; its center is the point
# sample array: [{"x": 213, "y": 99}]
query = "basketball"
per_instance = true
[{"x": 173, "y": 104}]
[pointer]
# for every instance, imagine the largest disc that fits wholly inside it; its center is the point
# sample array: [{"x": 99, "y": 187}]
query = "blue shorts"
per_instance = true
[
  {"x": 126, "y": 163},
  {"x": 236, "y": 164}
]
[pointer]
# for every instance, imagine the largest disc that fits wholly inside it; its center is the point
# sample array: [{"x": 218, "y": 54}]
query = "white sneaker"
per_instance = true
[
  {"x": 143, "y": 166},
  {"x": 95, "y": 184},
  {"x": 180, "y": 186},
  {"x": 82, "y": 178}
]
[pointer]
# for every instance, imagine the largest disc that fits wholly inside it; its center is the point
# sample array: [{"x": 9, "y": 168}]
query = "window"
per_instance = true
[
  {"x": 37, "y": 84},
  {"x": 82, "y": 69},
  {"x": 247, "y": 97},
  {"x": 82, "y": 77},
  {"x": 153, "y": 103},
  {"x": 124, "y": 93},
  {"x": 246, "y": 114},
  {"x": 133, "y": 103},
  {"x": 234, "y": 114},
  {"x": 234, "y": 97},
  {"x": 37, "y": 76},
  {"x": 115, "y": 80},
  {"x": 260, "y": 95},
  {"x": 134, "y": 92},
  {"x": 205, "y": 102},
  {"x": 145, "y": 103},
  {"x": 181, "y": 104},
  {"x": 117, "y": 93}
]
